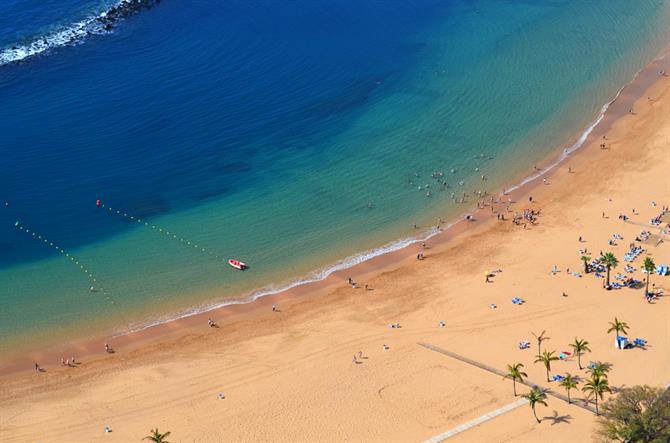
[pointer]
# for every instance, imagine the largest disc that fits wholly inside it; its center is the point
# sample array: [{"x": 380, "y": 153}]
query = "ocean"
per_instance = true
[{"x": 298, "y": 137}]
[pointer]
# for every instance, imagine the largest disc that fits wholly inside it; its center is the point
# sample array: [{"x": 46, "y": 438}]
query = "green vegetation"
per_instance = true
[
  {"x": 157, "y": 437},
  {"x": 515, "y": 373},
  {"x": 580, "y": 346},
  {"x": 546, "y": 358},
  {"x": 569, "y": 382},
  {"x": 636, "y": 414},
  {"x": 596, "y": 388},
  {"x": 534, "y": 397},
  {"x": 649, "y": 266},
  {"x": 610, "y": 261}
]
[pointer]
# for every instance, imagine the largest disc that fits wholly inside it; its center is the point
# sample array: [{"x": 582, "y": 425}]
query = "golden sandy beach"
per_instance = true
[{"x": 289, "y": 375}]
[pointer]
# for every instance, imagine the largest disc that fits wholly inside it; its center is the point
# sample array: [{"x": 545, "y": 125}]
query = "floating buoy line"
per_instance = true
[
  {"x": 158, "y": 229},
  {"x": 95, "y": 283}
]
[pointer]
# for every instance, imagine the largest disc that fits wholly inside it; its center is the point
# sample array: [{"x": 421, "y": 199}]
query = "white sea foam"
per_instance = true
[
  {"x": 354, "y": 260},
  {"x": 73, "y": 33},
  {"x": 573, "y": 147},
  {"x": 315, "y": 276}
]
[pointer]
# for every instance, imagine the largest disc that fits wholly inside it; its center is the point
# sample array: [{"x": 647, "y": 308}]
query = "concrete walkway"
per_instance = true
[
  {"x": 580, "y": 403},
  {"x": 476, "y": 421}
]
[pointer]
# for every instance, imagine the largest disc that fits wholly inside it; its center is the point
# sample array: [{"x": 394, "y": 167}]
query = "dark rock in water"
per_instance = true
[
  {"x": 234, "y": 167},
  {"x": 125, "y": 9},
  {"x": 210, "y": 193},
  {"x": 95, "y": 25},
  {"x": 148, "y": 206},
  {"x": 354, "y": 95}
]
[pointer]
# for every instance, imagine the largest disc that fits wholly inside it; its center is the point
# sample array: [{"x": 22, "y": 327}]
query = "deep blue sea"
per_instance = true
[{"x": 289, "y": 135}]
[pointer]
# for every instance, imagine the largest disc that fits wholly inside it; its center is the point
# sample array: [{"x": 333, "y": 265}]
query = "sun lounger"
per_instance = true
[
  {"x": 640, "y": 342},
  {"x": 557, "y": 377},
  {"x": 622, "y": 342},
  {"x": 662, "y": 270}
]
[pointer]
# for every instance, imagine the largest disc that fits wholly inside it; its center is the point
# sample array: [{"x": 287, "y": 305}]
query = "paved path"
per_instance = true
[
  {"x": 476, "y": 421},
  {"x": 576, "y": 402}
]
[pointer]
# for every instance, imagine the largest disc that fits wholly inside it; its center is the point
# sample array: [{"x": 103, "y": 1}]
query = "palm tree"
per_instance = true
[
  {"x": 569, "y": 382},
  {"x": 596, "y": 387},
  {"x": 599, "y": 369},
  {"x": 540, "y": 338},
  {"x": 157, "y": 437},
  {"x": 580, "y": 346},
  {"x": 515, "y": 373},
  {"x": 586, "y": 259},
  {"x": 618, "y": 327},
  {"x": 610, "y": 261},
  {"x": 546, "y": 358},
  {"x": 536, "y": 396},
  {"x": 649, "y": 266}
]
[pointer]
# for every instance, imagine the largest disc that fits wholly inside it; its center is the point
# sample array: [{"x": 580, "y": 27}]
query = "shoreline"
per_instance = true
[
  {"x": 366, "y": 264},
  {"x": 289, "y": 376}
]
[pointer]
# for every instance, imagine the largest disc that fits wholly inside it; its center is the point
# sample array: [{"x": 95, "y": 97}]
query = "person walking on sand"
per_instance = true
[
  {"x": 37, "y": 367},
  {"x": 107, "y": 348},
  {"x": 274, "y": 308}
]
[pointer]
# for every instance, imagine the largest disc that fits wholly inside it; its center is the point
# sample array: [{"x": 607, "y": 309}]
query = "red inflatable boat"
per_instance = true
[{"x": 237, "y": 264}]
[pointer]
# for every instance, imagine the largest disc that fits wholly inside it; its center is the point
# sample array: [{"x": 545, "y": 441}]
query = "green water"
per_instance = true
[{"x": 513, "y": 81}]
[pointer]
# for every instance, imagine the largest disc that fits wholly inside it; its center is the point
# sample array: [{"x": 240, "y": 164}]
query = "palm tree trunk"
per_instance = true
[
  {"x": 548, "y": 375},
  {"x": 646, "y": 292},
  {"x": 569, "y": 402},
  {"x": 579, "y": 360},
  {"x": 608, "y": 277},
  {"x": 514, "y": 386},
  {"x": 538, "y": 420},
  {"x": 597, "y": 405},
  {"x": 586, "y": 267}
]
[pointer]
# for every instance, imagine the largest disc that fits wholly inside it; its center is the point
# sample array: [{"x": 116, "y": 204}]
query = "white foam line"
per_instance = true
[
  {"x": 348, "y": 262},
  {"x": 576, "y": 145},
  {"x": 314, "y": 277},
  {"x": 66, "y": 35},
  {"x": 477, "y": 421}
]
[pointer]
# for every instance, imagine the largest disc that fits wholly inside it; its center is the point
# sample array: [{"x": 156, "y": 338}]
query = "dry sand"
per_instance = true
[{"x": 289, "y": 376}]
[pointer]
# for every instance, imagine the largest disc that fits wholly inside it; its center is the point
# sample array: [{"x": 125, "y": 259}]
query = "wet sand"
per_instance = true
[{"x": 289, "y": 375}]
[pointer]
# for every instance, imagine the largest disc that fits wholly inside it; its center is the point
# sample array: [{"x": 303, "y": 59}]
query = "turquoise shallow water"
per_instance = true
[{"x": 289, "y": 136}]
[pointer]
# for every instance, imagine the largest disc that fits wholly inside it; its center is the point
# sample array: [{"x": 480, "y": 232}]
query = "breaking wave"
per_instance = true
[{"x": 74, "y": 33}]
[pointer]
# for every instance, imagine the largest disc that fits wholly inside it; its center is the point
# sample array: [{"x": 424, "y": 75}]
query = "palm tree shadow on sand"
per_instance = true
[{"x": 557, "y": 419}]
